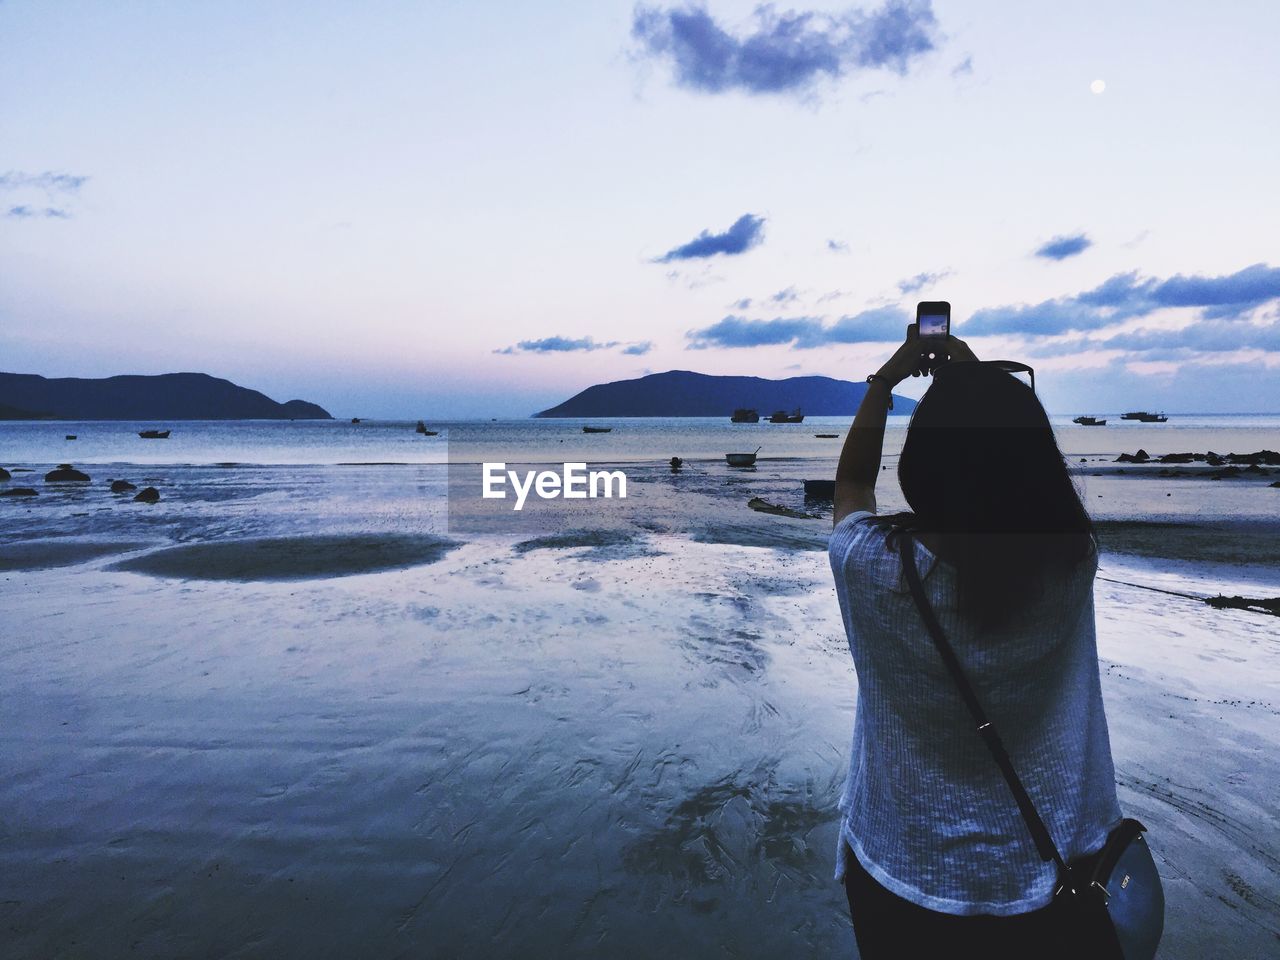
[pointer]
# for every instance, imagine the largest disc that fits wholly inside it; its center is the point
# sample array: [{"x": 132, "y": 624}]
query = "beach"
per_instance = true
[{"x": 299, "y": 707}]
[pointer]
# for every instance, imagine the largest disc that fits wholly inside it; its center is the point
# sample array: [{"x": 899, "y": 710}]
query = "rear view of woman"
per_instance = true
[{"x": 936, "y": 858}]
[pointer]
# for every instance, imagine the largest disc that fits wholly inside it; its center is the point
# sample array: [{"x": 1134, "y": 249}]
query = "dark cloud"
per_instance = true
[
  {"x": 576, "y": 345},
  {"x": 921, "y": 280},
  {"x": 558, "y": 345},
  {"x": 747, "y": 232},
  {"x": 1127, "y": 295},
  {"x": 1059, "y": 248},
  {"x": 783, "y": 52},
  {"x": 1201, "y": 336},
  {"x": 735, "y": 331},
  {"x": 802, "y": 333}
]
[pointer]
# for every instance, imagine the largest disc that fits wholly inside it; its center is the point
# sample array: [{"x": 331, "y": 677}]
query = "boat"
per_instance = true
[
  {"x": 1144, "y": 417},
  {"x": 597, "y": 429},
  {"x": 742, "y": 459},
  {"x": 422, "y": 429},
  {"x": 355, "y": 419},
  {"x": 826, "y": 436},
  {"x": 819, "y": 489},
  {"x": 1089, "y": 421},
  {"x": 781, "y": 416},
  {"x": 154, "y": 434},
  {"x": 71, "y": 436},
  {"x": 744, "y": 415}
]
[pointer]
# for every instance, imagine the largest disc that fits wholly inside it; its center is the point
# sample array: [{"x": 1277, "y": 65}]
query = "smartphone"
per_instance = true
[{"x": 933, "y": 326}]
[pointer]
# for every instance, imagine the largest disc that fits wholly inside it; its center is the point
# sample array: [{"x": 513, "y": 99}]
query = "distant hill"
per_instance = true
[
  {"x": 168, "y": 396},
  {"x": 15, "y": 413},
  {"x": 681, "y": 393}
]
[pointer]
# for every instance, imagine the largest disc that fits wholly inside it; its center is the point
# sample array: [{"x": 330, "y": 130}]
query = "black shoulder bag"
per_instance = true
[{"x": 1116, "y": 890}]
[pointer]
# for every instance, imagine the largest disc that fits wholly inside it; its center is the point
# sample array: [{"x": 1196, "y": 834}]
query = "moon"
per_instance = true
[{"x": 1098, "y": 86}]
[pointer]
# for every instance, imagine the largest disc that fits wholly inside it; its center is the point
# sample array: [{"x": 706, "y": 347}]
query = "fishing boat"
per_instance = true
[
  {"x": 154, "y": 434},
  {"x": 355, "y": 419},
  {"x": 1144, "y": 417},
  {"x": 422, "y": 429},
  {"x": 781, "y": 416},
  {"x": 742, "y": 459},
  {"x": 745, "y": 415},
  {"x": 826, "y": 436},
  {"x": 1089, "y": 421},
  {"x": 597, "y": 429}
]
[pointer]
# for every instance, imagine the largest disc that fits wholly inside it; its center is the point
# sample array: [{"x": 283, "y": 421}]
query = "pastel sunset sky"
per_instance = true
[{"x": 479, "y": 208}]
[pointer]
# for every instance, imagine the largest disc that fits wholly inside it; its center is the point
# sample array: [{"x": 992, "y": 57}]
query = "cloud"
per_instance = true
[
  {"x": 783, "y": 52},
  {"x": 837, "y": 246},
  {"x": 747, "y": 232},
  {"x": 788, "y": 295},
  {"x": 1059, "y": 248},
  {"x": 22, "y": 212},
  {"x": 963, "y": 68},
  {"x": 576, "y": 345},
  {"x": 48, "y": 181},
  {"x": 802, "y": 333},
  {"x": 921, "y": 280},
  {"x": 558, "y": 345},
  {"x": 1128, "y": 295},
  {"x": 743, "y": 304}
]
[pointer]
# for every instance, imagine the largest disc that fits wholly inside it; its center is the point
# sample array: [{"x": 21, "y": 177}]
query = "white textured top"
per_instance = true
[{"x": 925, "y": 808}]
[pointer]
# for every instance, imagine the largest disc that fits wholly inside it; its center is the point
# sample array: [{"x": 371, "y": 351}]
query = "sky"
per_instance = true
[{"x": 462, "y": 209}]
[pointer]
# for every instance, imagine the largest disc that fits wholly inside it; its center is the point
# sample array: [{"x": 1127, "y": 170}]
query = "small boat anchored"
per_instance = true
[
  {"x": 742, "y": 459},
  {"x": 1144, "y": 417},
  {"x": 422, "y": 429},
  {"x": 781, "y": 416},
  {"x": 1089, "y": 421},
  {"x": 154, "y": 434},
  {"x": 597, "y": 429},
  {"x": 744, "y": 415}
]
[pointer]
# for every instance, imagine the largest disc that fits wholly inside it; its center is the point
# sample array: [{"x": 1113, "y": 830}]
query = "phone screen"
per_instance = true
[{"x": 934, "y": 325}]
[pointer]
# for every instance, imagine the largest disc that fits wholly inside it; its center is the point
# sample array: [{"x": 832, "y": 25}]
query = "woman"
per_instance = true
[{"x": 934, "y": 854}]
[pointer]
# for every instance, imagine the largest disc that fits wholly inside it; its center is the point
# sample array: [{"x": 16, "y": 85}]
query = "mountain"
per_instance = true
[
  {"x": 168, "y": 396},
  {"x": 682, "y": 393}
]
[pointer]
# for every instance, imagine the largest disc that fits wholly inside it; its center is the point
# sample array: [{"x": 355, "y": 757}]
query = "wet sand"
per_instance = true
[{"x": 564, "y": 745}]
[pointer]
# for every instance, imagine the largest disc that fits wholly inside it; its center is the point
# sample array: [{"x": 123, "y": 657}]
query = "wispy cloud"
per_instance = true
[
  {"x": 22, "y": 211},
  {"x": 1060, "y": 248},
  {"x": 49, "y": 181},
  {"x": 747, "y": 232},
  {"x": 837, "y": 246},
  {"x": 788, "y": 295},
  {"x": 1128, "y": 295},
  {"x": 882, "y": 324},
  {"x": 921, "y": 280},
  {"x": 54, "y": 188},
  {"x": 783, "y": 52},
  {"x": 576, "y": 345}
]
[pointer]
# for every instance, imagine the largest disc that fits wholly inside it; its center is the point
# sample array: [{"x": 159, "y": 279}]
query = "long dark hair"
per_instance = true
[{"x": 982, "y": 472}]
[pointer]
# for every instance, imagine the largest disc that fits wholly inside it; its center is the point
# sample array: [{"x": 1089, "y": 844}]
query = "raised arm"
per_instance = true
[{"x": 860, "y": 459}]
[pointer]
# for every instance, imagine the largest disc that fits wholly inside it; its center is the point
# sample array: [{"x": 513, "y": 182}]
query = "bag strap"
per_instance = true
[{"x": 1039, "y": 832}]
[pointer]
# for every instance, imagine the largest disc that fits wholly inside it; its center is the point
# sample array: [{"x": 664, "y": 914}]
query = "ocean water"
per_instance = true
[
  {"x": 332, "y": 442},
  {"x": 289, "y": 710}
]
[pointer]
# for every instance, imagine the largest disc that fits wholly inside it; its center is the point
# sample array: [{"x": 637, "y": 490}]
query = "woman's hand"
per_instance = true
[
  {"x": 957, "y": 349},
  {"x": 907, "y": 360}
]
